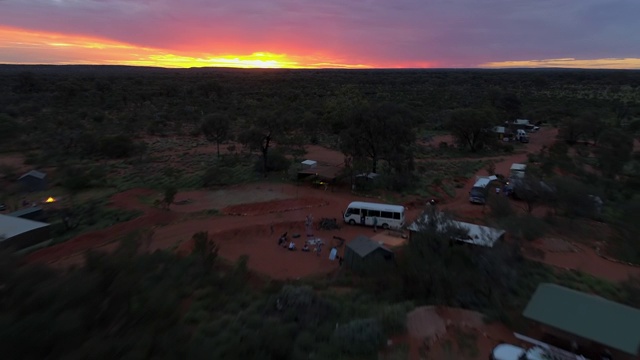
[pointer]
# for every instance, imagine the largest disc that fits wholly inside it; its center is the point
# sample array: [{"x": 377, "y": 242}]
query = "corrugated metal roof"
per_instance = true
[
  {"x": 478, "y": 234},
  {"x": 25, "y": 211},
  {"x": 363, "y": 246},
  {"x": 11, "y": 226},
  {"x": 587, "y": 316},
  {"x": 34, "y": 173}
]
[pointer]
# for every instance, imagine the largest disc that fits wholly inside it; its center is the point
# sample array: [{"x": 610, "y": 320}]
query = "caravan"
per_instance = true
[
  {"x": 385, "y": 216},
  {"x": 480, "y": 190}
]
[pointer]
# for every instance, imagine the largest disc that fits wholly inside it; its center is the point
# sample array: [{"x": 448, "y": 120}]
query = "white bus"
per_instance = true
[{"x": 363, "y": 213}]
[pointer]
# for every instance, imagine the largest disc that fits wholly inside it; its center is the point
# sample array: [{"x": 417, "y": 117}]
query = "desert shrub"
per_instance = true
[
  {"x": 507, "y": 148},
  {"x": 75, "y": 178},
  {"x": 302, "y": 304},
  {"x": 525, "y": 227},
  {"x": 499, "y": 206},
  {"x": 359, "y": 337},
  {"x": 32, "y": 158},
  {"x": 117, "y": 147},
  {"x": 393, "y": 318},
  {"x": 276, "y": 161}
]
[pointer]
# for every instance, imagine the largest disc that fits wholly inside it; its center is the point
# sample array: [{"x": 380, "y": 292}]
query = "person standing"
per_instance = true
[{"x": 375, "y": 224}]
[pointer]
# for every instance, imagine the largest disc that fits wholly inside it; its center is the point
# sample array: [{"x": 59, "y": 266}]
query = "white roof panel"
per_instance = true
[
  {"x": 11, "y": 226},
  {"x": 478, "y": 234}
]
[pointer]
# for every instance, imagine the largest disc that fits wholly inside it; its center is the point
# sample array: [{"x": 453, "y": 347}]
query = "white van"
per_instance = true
[
  {"x": 363, "y": 213},
  {"x": 512, "y": 352},
  {"x": 480, "y": 189}
]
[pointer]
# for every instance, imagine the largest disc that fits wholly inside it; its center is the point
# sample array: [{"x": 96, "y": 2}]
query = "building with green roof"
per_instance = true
[{"x": 590, "y": 321}]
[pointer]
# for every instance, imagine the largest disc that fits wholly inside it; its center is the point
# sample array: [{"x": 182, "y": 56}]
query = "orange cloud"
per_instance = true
[
  {"x": 606, "y": 63},
  {"x": 19, "y": 46}
]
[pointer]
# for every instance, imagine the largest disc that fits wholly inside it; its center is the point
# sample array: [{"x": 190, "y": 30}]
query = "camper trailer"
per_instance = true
[{"x": 480, "y": 189}]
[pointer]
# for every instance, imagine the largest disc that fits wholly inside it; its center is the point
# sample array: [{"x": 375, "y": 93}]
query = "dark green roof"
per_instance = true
[
  {"x": 587, "y": 316},
  {"x": 364, "y": 246}
]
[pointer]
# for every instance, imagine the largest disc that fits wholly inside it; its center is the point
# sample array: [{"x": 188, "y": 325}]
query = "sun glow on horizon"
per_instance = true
[
  {"x": 61, "y": 49},
  {"x": 606, "y": 63}
]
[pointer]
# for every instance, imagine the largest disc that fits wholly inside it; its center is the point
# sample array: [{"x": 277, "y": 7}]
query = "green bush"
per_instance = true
[
  {"x": 276, "y": 161},
  {"x": 117, "y": 147},
  {"x": 393, "y": 318},
  {"x": 359, "y": 337}
]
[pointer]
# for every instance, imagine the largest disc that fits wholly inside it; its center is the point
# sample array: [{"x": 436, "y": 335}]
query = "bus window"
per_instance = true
[
  {"x": 396, "y": 216},
  {"x": 352, "y": 211},
  {"x": 363, "y": 212},
  {"x": 386, "y": 214},
  {"x": 374, "y": 213}
]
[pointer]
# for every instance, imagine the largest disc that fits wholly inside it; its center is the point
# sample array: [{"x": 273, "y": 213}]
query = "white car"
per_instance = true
[{"x": 512, "y": 352}]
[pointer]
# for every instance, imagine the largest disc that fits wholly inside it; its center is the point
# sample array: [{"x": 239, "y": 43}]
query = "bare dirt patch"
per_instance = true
[
  {"x": 276, "y": 206},
  {"x": 265, "y": 256},
  {"x": 557, "y": 245},
  {"x": 585, "y": 259},
  {"x": 449, "y": 333},
  {"x": 194, "y": 201}
]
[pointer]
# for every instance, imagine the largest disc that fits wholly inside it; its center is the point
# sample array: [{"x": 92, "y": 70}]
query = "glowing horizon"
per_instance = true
[{"x": 96, "y": 51}]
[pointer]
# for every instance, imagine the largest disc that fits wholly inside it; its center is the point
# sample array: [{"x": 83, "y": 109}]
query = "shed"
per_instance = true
[
  {"x": 309, "y": 164},
  {"x": 33, "y": 181},
  {"x": 364, "y": 254},
  {"x": 587, "y": 319},
  {"x": 18, "y": 233},
  {"x": 477, "y": 234},
  {"x": 31, "y": 213}
]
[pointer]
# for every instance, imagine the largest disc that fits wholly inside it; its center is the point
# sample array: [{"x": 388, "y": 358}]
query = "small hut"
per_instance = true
[
  {"x": 363, "y": 254},
  {"x": 33, "y": 181}
]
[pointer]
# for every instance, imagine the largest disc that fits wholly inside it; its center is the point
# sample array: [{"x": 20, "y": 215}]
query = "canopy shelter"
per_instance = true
[{"x": 590, "y": 317}]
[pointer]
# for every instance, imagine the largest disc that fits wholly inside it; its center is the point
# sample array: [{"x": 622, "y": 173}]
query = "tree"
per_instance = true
[
  {"x": 382, "y": 132},
  {"x": 263, "y": 131},
  {"x": 532, "y": 190},
  {"x": 593, "y": 126},
  {"x": 614, "y": 151},
  {"x": 216, "y": 129},
  {"x": 472, "y": 128},
  {"x": 571, "y": 129},
  {"x": 205, "y": 249},
  {"x": 169, "y": 196}
]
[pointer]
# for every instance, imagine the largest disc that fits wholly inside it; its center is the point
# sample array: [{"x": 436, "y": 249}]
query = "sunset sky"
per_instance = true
[{"x": 323, "y": 33}]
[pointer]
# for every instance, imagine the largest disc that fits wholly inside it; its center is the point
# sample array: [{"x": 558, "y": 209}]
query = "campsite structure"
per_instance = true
[
  {"x": 18, "y": 233},
  {"x": 35, "y": 213},
  {"x": 33, "y": 181},
  {"x": 476, "y": 234},
  {"x": 593, "y": 324},
  {"x": 363, "y": 254}
]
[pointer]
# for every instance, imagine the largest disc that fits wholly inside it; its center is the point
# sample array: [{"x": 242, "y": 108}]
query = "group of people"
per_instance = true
[
  {"x": 309, "y": 245},
  {"x": 284, "y": 242}
]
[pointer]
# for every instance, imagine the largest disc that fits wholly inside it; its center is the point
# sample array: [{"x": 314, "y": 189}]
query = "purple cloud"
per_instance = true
[{"x": 381, "y": 32}]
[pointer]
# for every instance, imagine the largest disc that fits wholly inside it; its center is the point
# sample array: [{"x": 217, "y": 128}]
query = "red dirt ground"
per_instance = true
[
  {"x": 275, "y": 206},
  {"x": 582, "y": 258},
  {"x": 429, "y": 327},
  {"x": 95, "y": 239},
  {"x": 283, "y": 206}
]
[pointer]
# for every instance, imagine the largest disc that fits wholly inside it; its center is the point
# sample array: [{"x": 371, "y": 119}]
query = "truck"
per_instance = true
[
  {"x": 480, "y": 189},
  {"x": 516, "y": 174}
]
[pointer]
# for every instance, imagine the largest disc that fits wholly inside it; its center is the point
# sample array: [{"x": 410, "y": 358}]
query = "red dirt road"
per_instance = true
[{"x": 126, "y": 200}]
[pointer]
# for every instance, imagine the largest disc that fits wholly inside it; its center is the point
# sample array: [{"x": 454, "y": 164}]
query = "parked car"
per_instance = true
[{"x": 3, "y": 207}]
